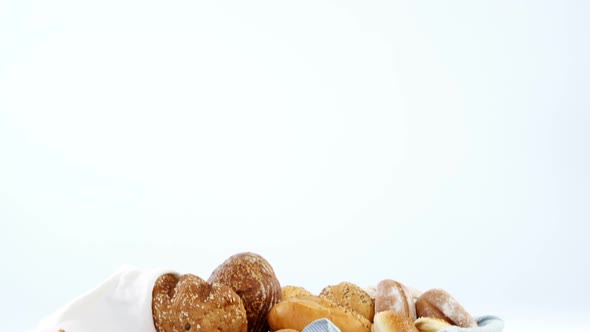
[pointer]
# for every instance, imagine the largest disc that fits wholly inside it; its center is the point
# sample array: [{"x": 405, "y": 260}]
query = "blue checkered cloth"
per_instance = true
[{"x": 486, "y": 324}]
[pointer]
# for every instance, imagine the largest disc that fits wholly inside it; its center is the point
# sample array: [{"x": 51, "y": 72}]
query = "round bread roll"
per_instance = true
[
  {"x": 437, "y": 303},
  {"x": 298, "y": 312},
  {"x": 392, "y": 321},
  {"x": 254, "y": 280},
  {"x": 294, "y": 291},
  {"x": 429, "y": 324},
  {"x": 192, "y": 304},
  {"x": 394, "y": 296},
  {"x": 351, "y": 296}
]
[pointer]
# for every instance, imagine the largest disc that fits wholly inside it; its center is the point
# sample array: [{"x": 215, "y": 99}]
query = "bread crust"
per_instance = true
[
  {"x": 191, "y": 303},
  {"x": 429, "y": 324},
  {"x": 437, "y": 303},
  {"x": 392, "y": 321},
  {"x": 351, "y": 296},
  {"x": 254, "y": 280},
  {"x": 297, "y": 312},
  {"x": 392, "y": 295},
  {"x": 294, "y": 291}
]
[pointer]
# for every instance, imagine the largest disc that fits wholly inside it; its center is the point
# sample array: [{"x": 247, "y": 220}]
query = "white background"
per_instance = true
[{"x": 440, "y": 144}]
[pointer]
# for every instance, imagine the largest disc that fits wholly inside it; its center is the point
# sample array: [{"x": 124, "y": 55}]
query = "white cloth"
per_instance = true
[{"x": 122, "y": 303}]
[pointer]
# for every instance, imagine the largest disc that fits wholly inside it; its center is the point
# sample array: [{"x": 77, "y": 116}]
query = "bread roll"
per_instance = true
[
  {"x": 190, "y": 303},
  {"x": 351, "y": 296},
  {"x": 429, "y": 324},
  {"x": 437, "y": 303},
  {"x": 392, "y": 295},
  {"x": 392, "y": 321},
  {"x": 254, "y": 280},
  {"x": 298, "y": 312},
  {"x": 294, "y": 291}
]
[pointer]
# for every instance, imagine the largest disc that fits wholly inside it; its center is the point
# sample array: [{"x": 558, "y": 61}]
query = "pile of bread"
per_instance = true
[{"x": 243, "y": 294}]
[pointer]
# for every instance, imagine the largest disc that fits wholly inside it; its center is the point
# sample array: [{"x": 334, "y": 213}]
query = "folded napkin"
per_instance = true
[
  {"x": 122, "y": 303},
  {"x": 486, "y": 324}
]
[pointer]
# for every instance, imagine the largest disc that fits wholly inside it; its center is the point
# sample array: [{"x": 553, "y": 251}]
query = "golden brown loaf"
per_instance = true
[
  {"x": 192, "y": 304},
  {"x": 294, "y": 291},
  {"x": 429, "y": 324},
  {"x": 297, "y": 312},
  {"x": 392, "y": 295},
  {"x": 351, "y": 296},
  {"x": 392, "y": 321},
  {"x": 254, "y": 280},
  {"x": 437, "y": 303}
]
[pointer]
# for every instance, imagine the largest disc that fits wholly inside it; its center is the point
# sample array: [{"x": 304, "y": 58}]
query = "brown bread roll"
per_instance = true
[
  {"x": 392, "y": 321},
  {"x": 189, "y": 303},
  {"x": 351, "y": 296},
  {"x": 437, "y": 303},
  {"x": 392, "y": 295},
  {"x": 254, "y": 280},
  {"x": 298, "y": 312}
]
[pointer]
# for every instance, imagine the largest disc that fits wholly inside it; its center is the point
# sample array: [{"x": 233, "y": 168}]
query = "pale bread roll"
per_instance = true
[
  {"x": 298, "y": 312},
  {"x": 392, "y": 321},
  {"x": 429, "y": 324}
]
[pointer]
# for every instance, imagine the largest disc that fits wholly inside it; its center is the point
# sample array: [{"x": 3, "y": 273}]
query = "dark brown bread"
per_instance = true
[
  {"x": 189, "y": 303},
  {"x": 437, "y": 303},
  {"x": 254, "y": 280}
]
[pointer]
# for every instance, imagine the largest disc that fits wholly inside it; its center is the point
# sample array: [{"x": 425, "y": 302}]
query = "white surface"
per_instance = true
[{"x": 442, "y": 144}]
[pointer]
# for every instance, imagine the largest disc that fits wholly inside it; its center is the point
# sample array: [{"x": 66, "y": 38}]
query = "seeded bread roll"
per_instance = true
[
  {"x": 254, "y": 280},
  {"x": 392, "y": 295},
  {"x": 392, "y": 321},
  {"x": 192, "y": 304},
  {"x": 437, "y": 303},
  {"x": 351, "y": 296},
  {"x": 298, "y": 312}
]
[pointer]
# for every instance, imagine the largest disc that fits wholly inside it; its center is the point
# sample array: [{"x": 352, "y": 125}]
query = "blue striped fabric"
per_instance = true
[
  {"x": 486, "y": 324},
  {"x": 321, "y": 325}
]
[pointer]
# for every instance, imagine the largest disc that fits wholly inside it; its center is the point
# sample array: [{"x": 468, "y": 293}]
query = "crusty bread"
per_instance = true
[
  {"x": 294, "y": 291},
  {"x": 191, "y": 303},
  {"x": 429, "y": 324},
  {"x": 297, "y": 312},
  {"x": 351, "y": 296},
  {"x": 392, "y": 295},
  {"x": 254, "y": 280},
  {"x": 392, "y": 321},
  {"x": 437, "y": 303}
]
